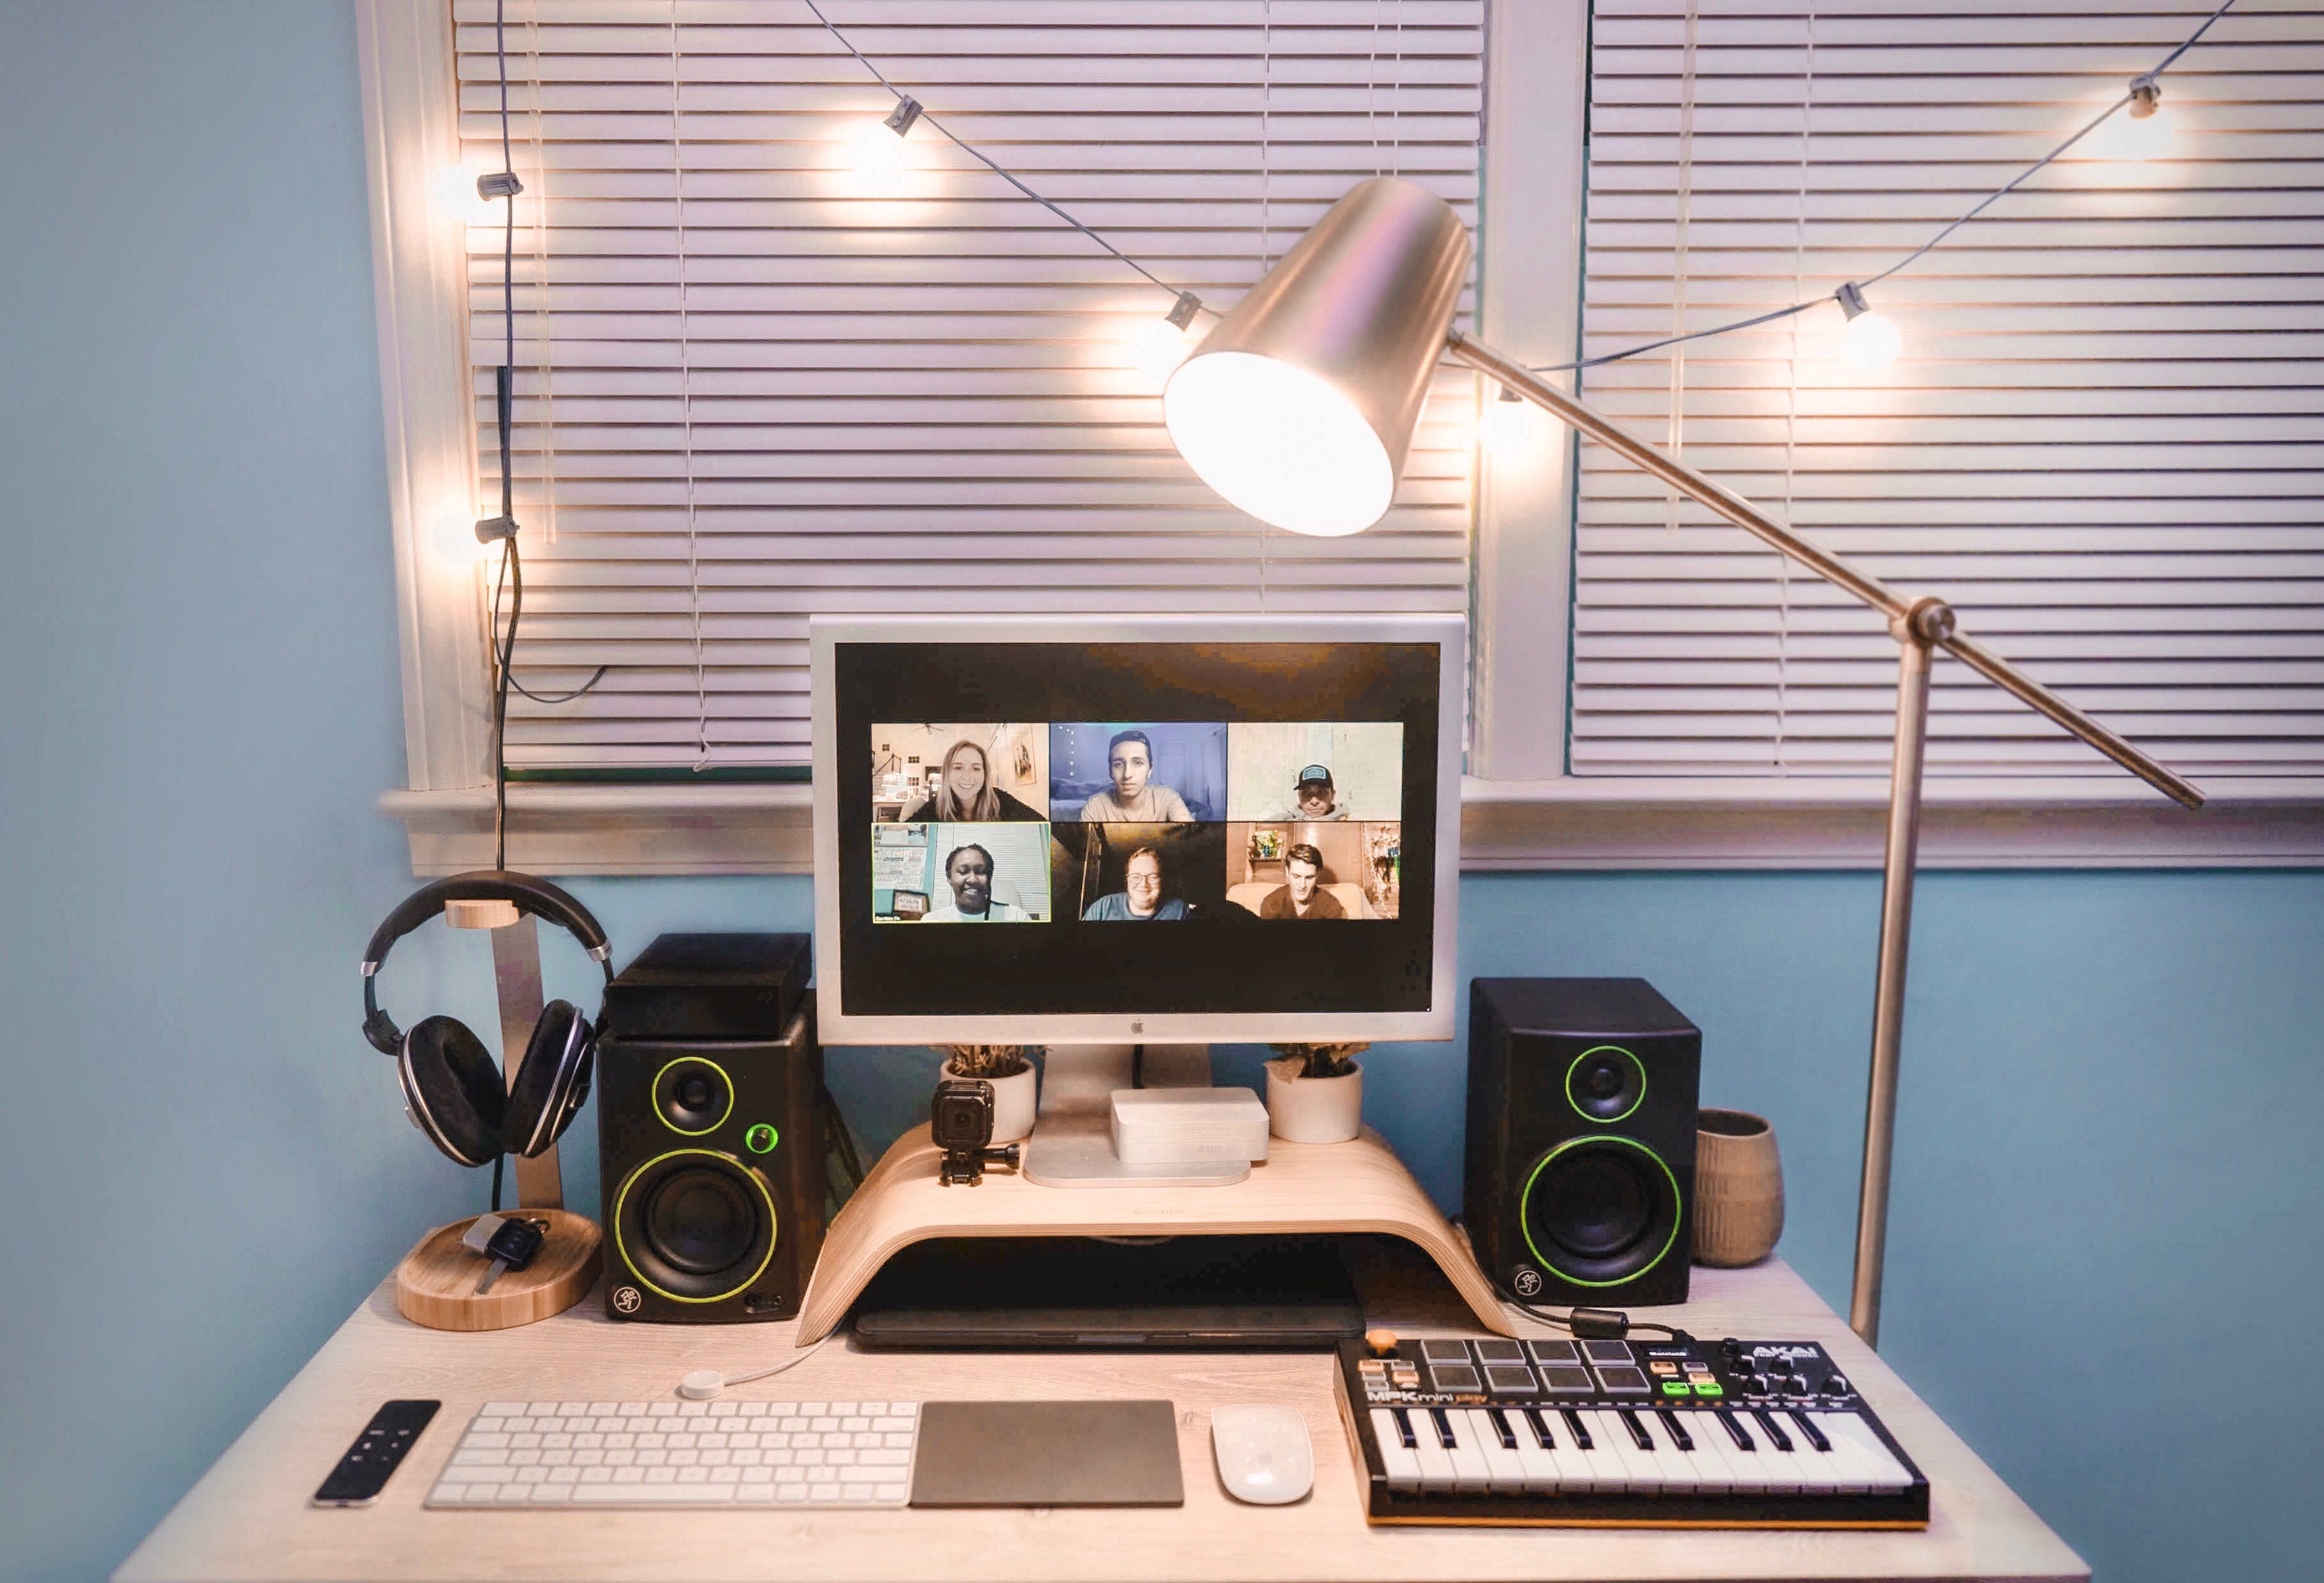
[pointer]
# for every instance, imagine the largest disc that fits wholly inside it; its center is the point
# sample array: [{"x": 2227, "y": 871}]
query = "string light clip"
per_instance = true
[
  {"x": 901, "y": 119},
  {"x": 1183, "y": 311}
]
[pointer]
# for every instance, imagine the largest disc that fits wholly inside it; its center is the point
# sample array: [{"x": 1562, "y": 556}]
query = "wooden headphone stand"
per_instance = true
[{"x": 436, "y": 1283}]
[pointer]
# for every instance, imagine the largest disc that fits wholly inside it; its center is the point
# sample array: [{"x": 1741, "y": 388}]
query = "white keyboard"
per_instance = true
[{"x": 671, "y": 1453}]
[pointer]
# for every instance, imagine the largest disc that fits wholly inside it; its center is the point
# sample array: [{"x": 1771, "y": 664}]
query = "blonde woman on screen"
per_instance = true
[{"x": 965, "y": 793}]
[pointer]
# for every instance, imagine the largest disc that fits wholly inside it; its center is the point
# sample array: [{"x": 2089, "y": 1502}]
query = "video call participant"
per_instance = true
[
  {"x": 1302, "y": 896},
  {"x": 965, "y": 793},
  {"x": 969, "y": 872},
  {"x": 1134, "y": 799},
  {"x": 1313, "y": 797},
  {"x": 1140, "y": 902}
]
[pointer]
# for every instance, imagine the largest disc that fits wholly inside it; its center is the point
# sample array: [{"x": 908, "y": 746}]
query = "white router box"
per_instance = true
[{"x": 1155, "y": 1126}]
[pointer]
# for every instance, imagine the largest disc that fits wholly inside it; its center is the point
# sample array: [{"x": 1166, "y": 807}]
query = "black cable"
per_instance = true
[
  {"x": 1608, "y": 1324},
  {"x": 511, "y": 573},
  {"x": 498, "y": 1161}
]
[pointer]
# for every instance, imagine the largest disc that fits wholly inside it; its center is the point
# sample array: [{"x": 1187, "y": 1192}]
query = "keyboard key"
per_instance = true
[{"x": 1392, "y": 1433}]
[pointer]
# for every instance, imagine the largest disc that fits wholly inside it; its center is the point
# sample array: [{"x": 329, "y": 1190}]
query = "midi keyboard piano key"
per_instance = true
[{"x": 1729, "y": 1433}]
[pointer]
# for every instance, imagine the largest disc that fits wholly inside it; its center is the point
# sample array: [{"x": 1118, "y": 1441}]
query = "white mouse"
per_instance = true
[{"x": 1263, "y": 1454}]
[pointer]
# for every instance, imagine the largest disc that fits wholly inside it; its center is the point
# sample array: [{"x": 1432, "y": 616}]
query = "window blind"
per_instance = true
[
  {"x": 2104, "y": 441},
  {"x": 748, "y": 391}
]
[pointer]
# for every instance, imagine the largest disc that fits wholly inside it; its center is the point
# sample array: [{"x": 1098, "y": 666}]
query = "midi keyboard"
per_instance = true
[{"x": 1605, "y": 1433}]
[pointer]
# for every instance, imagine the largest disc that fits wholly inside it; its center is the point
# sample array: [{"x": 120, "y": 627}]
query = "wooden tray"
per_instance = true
[
  {"x": 436, "y": 1283},
  {"x": 1326, "y": 1188}
]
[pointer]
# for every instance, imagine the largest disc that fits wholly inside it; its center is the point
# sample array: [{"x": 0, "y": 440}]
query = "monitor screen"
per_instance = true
[{"x": 1003, "y": 806}]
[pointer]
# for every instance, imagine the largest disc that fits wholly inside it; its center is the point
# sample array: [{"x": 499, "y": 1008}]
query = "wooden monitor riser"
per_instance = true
[{"x": 1357, "y": 1187}]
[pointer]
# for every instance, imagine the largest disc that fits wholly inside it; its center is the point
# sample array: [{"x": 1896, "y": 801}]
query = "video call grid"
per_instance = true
[{"x": 1130, "y": 813}]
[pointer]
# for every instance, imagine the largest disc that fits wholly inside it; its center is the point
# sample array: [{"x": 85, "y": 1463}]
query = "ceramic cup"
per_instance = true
[
  {"x": 1738, "y": 1188},
  {"x": 1312, "y": 1110}
]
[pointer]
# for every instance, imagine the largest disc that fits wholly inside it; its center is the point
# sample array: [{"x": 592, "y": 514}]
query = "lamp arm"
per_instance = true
[{"x": 1935, "y": 624}]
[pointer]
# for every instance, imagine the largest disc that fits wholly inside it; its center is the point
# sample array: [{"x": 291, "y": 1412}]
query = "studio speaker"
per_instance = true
[
  {"x": 710, "y": 1153},
  {"x": 1581, "y": 1148}
]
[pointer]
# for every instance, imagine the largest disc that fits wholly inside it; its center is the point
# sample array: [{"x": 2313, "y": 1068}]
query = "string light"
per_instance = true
[
  {"x": 455, "y": 193},
  {"x": 1871, "y": 340},
  {"x": 2143, "y": 133},
  {"x": 878, "y": 154},
  {"x": 1511, "y": 425},
  {"x": 1157, "y": 345}
]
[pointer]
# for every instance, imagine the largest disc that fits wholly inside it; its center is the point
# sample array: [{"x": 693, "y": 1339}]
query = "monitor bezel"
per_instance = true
[{"x": 835, "y": 1026}]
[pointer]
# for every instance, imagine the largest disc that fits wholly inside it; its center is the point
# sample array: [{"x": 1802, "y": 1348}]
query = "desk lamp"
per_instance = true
[{"x": 1299, "y": 406}]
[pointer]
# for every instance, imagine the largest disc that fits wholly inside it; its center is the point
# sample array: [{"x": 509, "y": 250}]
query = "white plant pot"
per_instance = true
[
  {"x": 1312, "y": 1110},
  {"x": 1013, "y": 1103}
]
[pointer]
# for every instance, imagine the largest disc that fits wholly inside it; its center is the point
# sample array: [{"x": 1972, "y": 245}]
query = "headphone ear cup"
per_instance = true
[
  {"x": 553, "y": 1081},
  {"x": 453, "y": 1086}
]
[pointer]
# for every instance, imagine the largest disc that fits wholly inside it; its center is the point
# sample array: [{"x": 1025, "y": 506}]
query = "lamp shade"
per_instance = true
[{"x": 1299, "y": 406}]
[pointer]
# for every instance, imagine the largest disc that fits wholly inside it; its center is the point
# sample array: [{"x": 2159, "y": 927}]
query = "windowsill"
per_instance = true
[{"x": 1571, "y": 824}]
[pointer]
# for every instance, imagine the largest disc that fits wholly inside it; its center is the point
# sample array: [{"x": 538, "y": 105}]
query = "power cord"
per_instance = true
[
  {"x": 703, "y": 1384},
  {"x": 503, "y": 185},
  {"x": 1592, "y": 1324}
]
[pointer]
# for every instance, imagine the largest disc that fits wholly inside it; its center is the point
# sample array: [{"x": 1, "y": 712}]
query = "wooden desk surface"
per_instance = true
[{"x": 248, "y": 1518}]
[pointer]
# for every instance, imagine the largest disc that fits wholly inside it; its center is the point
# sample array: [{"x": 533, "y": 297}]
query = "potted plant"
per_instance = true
[
  {"x": 1316, "y": 1092},
  {"x": 1008, "y": 1068}
]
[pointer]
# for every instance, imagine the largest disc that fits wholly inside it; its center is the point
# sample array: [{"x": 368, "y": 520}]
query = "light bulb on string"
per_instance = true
[
  {"x": 878, "y": 152},
  {"x": 2140, "y": 130},
  {"x": 1511, "y": 424},
  {"x": 453, "y": 191},
  {"x": 1157, "y": 345},
  {"x": 1871, "y": 341}
]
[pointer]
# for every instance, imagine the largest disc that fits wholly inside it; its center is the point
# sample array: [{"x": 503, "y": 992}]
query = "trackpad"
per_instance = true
[{"x": 1047, "y": 1454}]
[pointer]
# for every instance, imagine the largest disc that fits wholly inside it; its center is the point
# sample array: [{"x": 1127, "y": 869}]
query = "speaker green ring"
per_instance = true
[
  {"x": 655, "y": 1086},
  {"x": 1606, "y": 1120},
  {"x": 1677, "y": 1220},
  {"x": 774, "y": 1224}
]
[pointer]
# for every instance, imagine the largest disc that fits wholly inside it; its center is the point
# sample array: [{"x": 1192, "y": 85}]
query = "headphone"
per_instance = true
[{"x": 452, "y": 1088}]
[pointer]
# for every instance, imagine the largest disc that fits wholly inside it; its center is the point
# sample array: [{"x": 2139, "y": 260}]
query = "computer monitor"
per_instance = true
[{"x": 1151, "y": 830}]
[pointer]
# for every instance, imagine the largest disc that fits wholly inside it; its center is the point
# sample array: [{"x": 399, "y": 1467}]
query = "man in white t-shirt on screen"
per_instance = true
[{"x": 1134, "y": 798}]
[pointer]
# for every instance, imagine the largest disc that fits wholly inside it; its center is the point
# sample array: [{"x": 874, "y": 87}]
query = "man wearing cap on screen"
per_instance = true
[{"x": 1313, "y": 797}]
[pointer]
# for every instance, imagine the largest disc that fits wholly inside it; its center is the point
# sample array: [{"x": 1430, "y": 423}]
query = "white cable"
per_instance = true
[{"x": 703, "y": 1384}]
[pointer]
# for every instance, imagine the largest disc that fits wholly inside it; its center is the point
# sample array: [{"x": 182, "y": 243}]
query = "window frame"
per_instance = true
[{"x": 1520, "y": 810}]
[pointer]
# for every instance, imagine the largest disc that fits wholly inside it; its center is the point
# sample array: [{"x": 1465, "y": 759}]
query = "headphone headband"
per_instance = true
[{"x": 528, "y": 893}]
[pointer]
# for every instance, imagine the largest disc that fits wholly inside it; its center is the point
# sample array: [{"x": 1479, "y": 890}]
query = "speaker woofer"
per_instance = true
[
  {"x": 693, "y": 1096},
  {"x": 694, "y": 1225},
  {"x": 1606, "y": 1084},
  {"x": 1599, "y": 1210}
]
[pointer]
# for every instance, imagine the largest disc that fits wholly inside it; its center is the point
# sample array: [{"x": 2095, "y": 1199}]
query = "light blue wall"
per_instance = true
[{"x": 2107, "y": 1188}]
